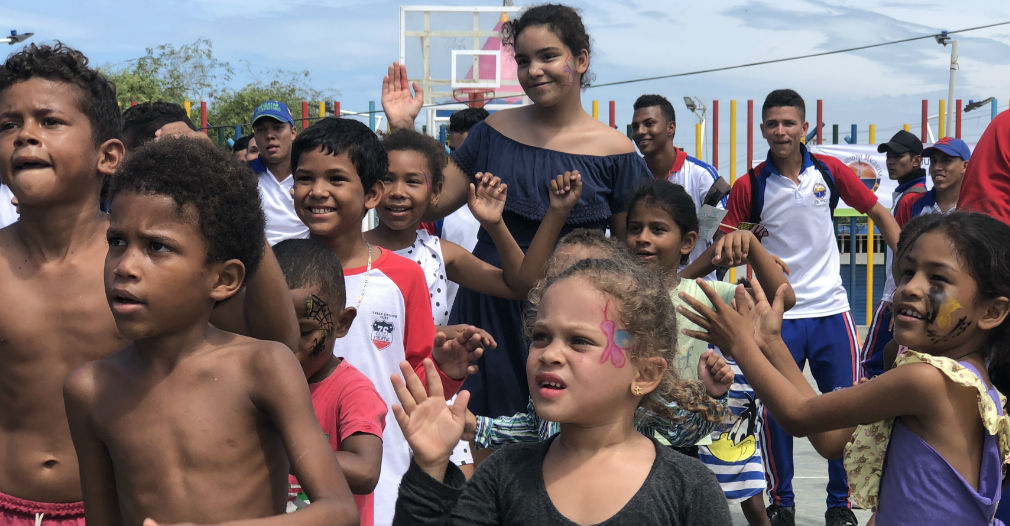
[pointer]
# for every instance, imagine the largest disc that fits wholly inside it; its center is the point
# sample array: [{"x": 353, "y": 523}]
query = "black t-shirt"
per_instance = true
[{"x": 509, "y": 488}]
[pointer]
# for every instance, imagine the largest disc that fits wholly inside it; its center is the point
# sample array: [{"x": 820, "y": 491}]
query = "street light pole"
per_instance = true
[{"x": 943, "y": 40}]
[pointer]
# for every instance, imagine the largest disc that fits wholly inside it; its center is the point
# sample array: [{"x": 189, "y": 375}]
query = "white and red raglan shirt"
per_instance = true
[{"x": 393, "y": 324}]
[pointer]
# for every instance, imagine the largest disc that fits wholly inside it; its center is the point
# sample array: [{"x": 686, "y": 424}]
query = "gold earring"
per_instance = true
[{"x": 637, "y": 390}]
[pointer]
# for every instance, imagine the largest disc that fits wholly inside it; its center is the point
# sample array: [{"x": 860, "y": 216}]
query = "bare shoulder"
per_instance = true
[
  {"x": 265, "y": 361},
  {"x": 607, "y": 140},
  {"x": 87, "y": 381},
  {"x": 505, "y": 119}
]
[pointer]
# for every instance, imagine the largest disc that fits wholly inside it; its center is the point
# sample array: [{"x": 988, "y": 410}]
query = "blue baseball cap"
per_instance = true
[
  {"x": 950, "y": 146},
  {"x": 275, "y": 110}
]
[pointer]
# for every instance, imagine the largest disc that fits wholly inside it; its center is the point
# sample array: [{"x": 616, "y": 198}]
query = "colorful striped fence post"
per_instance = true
[
  {"x": 957, "y": 121},
  {"x": 203, "y": 117},
  {"x": 925, "y": 122},
  {"x": 305, "y": 115},
  {"x": 942, "y": 127},
  {"x": 238, "y": 131},
  {"x": 750, "y": 148},
  {"x": 188, "y": 105},
  {"x": 732, "y": 161},
  {"x": 596, "y": 110},
  {"x": 699, "y": 139},
  {"x": 371, "y": 115},
  {"x": 820, "y": 119},
  {"x": 613, "y": 115},
  {"x": 715, "y": 137},
  {"x": 336, "y": 108}
]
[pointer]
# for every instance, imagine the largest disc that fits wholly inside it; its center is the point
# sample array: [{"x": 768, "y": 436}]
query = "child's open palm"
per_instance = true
[
  {"x": 431, "y": 427},
  {"x": 565, "y": 191},
  {"x": 487, "y": 198}
]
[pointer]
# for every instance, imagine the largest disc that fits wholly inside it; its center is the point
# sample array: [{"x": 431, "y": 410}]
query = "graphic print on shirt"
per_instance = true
[
  {"x": 738, "y": 443},
  {"x": 381, "y": 330}
]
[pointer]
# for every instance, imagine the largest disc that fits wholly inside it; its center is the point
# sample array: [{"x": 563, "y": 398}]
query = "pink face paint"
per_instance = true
[
  {"x": 570, "y": 69},
  {"x": 617, "y": 341}
]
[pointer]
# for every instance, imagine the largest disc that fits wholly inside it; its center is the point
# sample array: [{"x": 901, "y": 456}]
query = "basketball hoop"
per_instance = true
[{"x": 473, "y": 97}]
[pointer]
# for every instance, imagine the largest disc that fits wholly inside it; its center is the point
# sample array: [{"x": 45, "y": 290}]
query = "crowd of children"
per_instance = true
[{"x": 202, "y": 337}]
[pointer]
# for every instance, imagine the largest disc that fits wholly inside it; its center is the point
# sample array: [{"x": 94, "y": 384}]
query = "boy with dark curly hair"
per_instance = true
[
  {"x": 186, "y": 410},
  {"x": 59, "y": 138}
]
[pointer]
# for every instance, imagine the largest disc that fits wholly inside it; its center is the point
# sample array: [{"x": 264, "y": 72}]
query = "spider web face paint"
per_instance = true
[
  {"x": 316, "y": 309},
  {"x": 617, "y": 341}
]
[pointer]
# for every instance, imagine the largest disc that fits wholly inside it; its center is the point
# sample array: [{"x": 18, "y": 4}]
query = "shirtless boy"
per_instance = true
[
  {"x": 59, "y": 138},
  {"x": 190, "y": 423}
]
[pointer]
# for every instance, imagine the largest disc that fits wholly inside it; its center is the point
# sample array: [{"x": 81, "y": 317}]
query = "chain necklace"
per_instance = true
[{"x": 368, "y": 270}]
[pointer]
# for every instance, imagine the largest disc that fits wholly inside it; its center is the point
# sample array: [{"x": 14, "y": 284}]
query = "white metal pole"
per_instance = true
[{"x": 950, "y": 89}]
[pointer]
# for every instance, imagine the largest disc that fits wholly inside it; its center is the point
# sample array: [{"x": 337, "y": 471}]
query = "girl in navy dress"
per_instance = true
[{"x": 525, "y": 147}]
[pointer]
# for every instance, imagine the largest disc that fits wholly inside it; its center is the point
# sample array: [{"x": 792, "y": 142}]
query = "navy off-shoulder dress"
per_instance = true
[{"x": 500, "y": 387}]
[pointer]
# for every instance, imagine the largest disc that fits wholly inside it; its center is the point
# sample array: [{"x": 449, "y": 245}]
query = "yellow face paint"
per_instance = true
[{"x": 943, "y": 315}]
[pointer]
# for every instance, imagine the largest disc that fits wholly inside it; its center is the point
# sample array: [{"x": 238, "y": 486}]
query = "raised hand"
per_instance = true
[
  {"x": 400, "y": 105},
  {"x": 565, "y": 191},
  {"x": 431, "y": 427},
  {"x": 456, "y": 356},
  {"x": 715, "y": 373},
  {"x": 724, "y": 327},
  {"x": 487, "y": 198}
]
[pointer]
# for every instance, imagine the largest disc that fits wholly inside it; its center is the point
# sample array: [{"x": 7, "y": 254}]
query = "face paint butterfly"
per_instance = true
[{"x": 617, "y": 341}]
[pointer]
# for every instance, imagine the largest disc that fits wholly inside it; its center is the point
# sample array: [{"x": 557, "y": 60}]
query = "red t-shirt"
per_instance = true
[
  {"x": 346, "y": 403},
  {"x": 986, "y": 185}
]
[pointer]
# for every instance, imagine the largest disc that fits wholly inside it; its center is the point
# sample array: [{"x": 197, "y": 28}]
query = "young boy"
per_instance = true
[
  {"x": 337, "y": 164},
  {"x": 796, "y": 211},
  {"x": 904, "y": 160},
  {"x": 58, "y": 141},
  {"x": 948, "y": 162},
  {"x": 273, "y": 131},
  {"x": 347, "y": 406},
  {"x": 190, "y": 423},
  {"x": 653, "y": 126}
]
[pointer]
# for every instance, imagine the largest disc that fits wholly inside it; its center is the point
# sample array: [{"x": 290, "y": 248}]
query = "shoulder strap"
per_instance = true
[{"x": 829, "y": 180}]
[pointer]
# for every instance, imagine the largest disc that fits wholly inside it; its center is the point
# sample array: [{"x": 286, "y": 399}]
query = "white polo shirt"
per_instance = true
[
  {"x": 278, "y": 206},
  {"x": 800, "y": 229}
]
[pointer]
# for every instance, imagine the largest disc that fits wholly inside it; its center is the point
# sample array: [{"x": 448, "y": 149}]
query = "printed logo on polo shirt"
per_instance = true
[
  {"x": 381, "y": 331},
  {"x": 820, "y": 193}
]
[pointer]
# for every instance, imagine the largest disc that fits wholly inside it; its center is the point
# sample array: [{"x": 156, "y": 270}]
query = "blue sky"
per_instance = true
[{"x": 347, "y": 44}]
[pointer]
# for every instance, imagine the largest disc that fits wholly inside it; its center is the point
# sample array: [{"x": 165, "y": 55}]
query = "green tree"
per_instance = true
[
  {"x": 173, "y": 74},
  {"x": 191, "y": 73}
]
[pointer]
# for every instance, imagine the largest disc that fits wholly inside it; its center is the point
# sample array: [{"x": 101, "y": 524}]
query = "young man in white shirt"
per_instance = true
[{"x": 273, "y": 131}]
